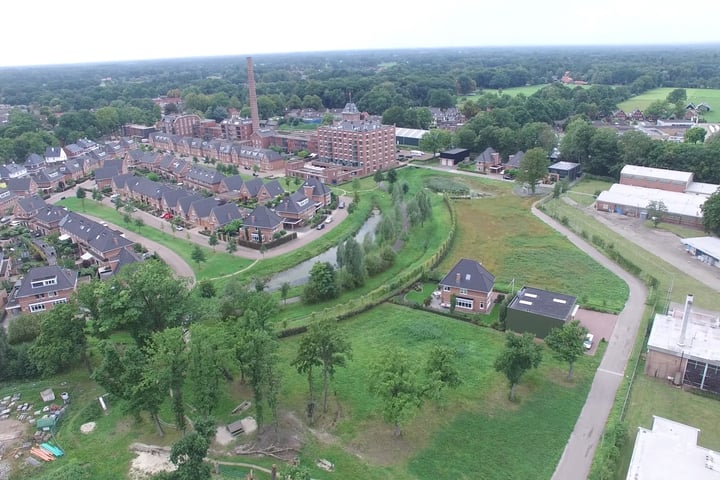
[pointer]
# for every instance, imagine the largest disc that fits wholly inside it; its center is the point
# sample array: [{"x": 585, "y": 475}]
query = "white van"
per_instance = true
[
  {"x": 416, "y": 153},
  {"x": 328, "y": 219}
]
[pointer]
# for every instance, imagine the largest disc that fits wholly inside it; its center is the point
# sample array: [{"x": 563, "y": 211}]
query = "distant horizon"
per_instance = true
[
  {"x": 636, "y": 46},
  {"x": 77, "y": 32}
]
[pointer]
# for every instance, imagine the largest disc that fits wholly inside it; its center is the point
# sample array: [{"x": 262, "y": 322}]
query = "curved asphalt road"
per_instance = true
[{"x": 577, "y": 458}]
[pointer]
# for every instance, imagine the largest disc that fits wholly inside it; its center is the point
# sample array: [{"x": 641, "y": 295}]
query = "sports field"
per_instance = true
[{"x": 709, "y": 96}]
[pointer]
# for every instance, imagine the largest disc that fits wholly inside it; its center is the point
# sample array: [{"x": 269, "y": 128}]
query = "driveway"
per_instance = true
[{"x": 577, "y": 458}]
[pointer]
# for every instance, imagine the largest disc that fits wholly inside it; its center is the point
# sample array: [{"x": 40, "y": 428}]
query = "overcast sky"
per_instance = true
[{"x": 74, "y": 31}]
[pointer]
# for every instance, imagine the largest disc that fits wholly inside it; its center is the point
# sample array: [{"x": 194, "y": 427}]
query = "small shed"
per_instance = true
[
  {"x": 539, "y": 311},
  {"x": 47, "y": 395},
  {"x": 452, "y": 157},
  {"x": 568, "y": 170}
]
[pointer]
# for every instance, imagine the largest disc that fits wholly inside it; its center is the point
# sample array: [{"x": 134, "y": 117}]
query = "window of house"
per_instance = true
[
  {"x": 463, "y": 291},
  {"x": 464, "y": 303},
  {"x": 58, "y": 302},
  {"x": 37, "y": 307},
  {"x": 446, "y": 288},
  {"x": 482, "y": 306}
]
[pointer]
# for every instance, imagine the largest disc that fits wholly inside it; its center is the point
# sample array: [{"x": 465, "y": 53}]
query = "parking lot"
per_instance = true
[{"x": 601, "y": 325}]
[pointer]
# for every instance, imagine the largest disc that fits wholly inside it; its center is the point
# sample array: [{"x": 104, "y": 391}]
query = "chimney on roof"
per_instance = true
[
  {"x": 457, "y": 277},
  {"x": 252, "y": 96},
  {"x": 685, "y": 319}
]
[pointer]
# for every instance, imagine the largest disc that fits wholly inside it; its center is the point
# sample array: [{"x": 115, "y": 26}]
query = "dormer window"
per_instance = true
[{"x": 43, "y": 282}]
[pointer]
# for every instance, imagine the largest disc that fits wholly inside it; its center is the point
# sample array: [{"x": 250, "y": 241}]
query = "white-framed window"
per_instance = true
[
  {"x": 463, "y": 291},
  {"x": 482, "y": 306},
  {"x": 58, "y": 302},
  {"x": 37, "y": 307},
  {"x": 464, "y": 303},
  {"x": 446, "y": 288}
]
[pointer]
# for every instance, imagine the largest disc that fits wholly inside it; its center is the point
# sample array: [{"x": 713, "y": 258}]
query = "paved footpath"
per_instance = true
[{"x": 577, "y": 458}]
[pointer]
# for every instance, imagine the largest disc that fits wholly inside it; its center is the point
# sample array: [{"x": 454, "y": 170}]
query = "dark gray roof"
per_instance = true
[
  {"x": 253, "y": 186},
  {"x": 204, "y": 206},
  {"x": 65, "y": 279},
  {"x": 485, "y": 156},
  {"x": 106, "y": 173},
  {"x": 274, "y": 188},
  {"x": 171, "y": 196},
  {"x": 147, "y": 187},
  {"x": 35, "y": 160},
  {"x": 543, "y": 302},
  {"x": 71, "y": 166},
  {"x": 12, "y": 169},
  {"x": 50, "y": 214},
  {"x": 514, "y": 161},
  {"x": 233, "y": 182},
  {"x": 31, "y": 204},
  {"x": 125, "y": 257},
  {"x": 205, "y": 176},
  {"x": 471, "y": 275},
  {"x": 262, "y": 217},
  {"x": 53, "y": 152},
  {"x": 185, "y": 202},
  {"x": 48, "y": 175},
  {"x": 116, "y": 163},
  {"x": 296, "y": 203},
  {"x": 227, "y": 213},
  {"x": 319, "y": 188},
  {"x": 98, "y": 237},
  {"x": 18, "y": 184},
  {"x": 121, "y": 180}
]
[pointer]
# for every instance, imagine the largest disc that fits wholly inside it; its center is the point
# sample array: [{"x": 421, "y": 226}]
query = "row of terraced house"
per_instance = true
[
  {"x": 226, "y": 152},
  {"x": 214, "y": 212}
]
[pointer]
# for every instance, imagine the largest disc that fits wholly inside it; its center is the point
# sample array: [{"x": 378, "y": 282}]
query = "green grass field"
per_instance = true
[
  {"x": 473, "y": 433},
  {"x": 709, "y": 96},
  {"x": 501, "y": 233}
]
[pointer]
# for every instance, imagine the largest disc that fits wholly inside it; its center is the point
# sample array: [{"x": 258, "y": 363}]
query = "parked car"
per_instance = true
[
  {"x": 320, "y": 226},
  {"x": 341, "y": 204},
  {"x": 328, "y": 219},
  {"x": 179, "y": 228},
  {"x": 588, "y": 341}
]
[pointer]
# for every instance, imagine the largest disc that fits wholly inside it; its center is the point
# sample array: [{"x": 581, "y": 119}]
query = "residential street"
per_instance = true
[{"x": 305, "y": 234}]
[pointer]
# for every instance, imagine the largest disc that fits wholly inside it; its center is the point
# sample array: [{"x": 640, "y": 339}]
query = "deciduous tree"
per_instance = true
[
  {"x": 322, "y": 284},
  {"x": 394, "y": 380},
  {"x": 520, "y": 355},
  {"x": 711, "y": 213},
  {"x": 533, "y": 168},
  {"x": 567, "y": 343},
  {"x": 62, "y": 340}
]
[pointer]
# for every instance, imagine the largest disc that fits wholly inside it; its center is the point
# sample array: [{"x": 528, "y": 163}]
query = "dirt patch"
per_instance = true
[
  {"x": 285, "y": 441},
  {"x": 87, "y": 427},
  {"x": 223, "y": 437},
  {"x": 149, "y": 461},
  {"x": 378, "y": 446}
]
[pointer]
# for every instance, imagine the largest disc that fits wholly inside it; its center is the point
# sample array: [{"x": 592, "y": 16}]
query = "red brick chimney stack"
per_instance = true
[{"x": 253, "y": 96}]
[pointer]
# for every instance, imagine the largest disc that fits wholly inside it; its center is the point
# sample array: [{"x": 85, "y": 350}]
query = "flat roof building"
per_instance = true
[
  {"x": 684, "y": 347},
  {"x": 705, "y": 249},
  {"x": 669, "y": 451},
  {"x": 539, "y": 311}
]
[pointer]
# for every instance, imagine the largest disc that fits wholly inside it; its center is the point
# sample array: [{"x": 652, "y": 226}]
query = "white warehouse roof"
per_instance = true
[
  {"x": 707, "y": 245},
  {"x": 410, "y": 133},
  {"x": 677, "y": 203},
  {"x": 657, "y": 173},
  {"x": 702, "y": 337}
]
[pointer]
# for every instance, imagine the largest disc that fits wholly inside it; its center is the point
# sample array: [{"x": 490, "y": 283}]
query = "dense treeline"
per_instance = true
[
  {"x": 375, "y": 79},
  {"x": 95, "y": 100}
]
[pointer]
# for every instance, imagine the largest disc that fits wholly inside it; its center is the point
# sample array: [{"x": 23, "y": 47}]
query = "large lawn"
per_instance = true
[
  {"x": 500, "y": 231},
  {"x": 710, "y": 96},
  {"x": 473, "y": 433}
]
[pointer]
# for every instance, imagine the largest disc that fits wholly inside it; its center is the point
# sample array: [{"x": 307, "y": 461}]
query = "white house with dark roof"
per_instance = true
[
  {"x": 471, "y": 284},
  {"x": 55, "y": 155}
]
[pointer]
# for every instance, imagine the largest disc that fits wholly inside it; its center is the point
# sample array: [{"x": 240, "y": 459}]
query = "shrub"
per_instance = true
[{"x": 24, "y": 328}]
